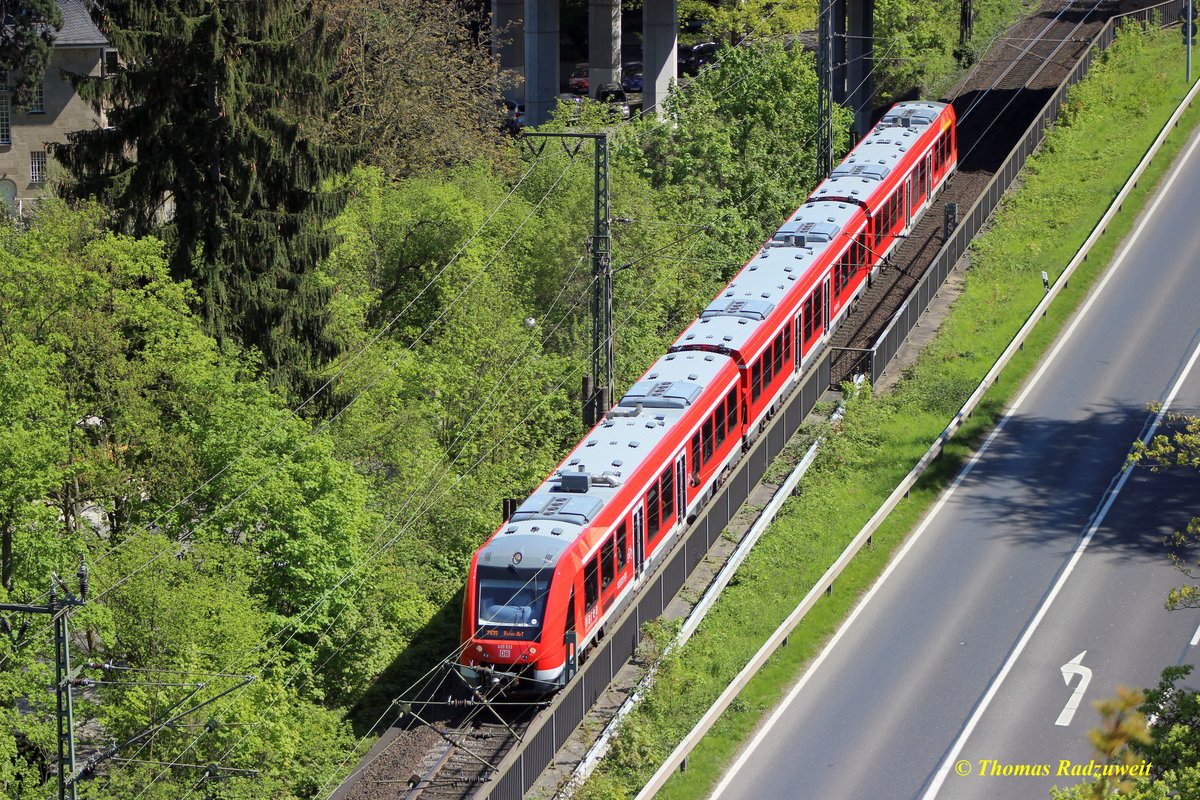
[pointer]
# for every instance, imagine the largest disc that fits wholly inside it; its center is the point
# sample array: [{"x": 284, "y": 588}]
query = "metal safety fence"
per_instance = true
[{"x": 522, "y": 766}]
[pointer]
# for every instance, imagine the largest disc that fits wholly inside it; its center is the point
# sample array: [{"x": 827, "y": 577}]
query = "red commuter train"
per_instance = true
[{"x": 541, "y": 589}]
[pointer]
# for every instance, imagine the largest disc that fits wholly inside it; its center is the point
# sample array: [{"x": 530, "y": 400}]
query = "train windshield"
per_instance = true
[{"x": 512, "y": 601}]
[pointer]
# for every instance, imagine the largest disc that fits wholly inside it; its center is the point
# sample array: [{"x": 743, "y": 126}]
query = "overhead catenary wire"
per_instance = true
[
  {"x": 726, "y": 212},
  {"x": 150, "y": 525},
  {"x": 449, "y": 488},
  {"x": 546, "y": 195},
  {"x": 293, "y": 626}
]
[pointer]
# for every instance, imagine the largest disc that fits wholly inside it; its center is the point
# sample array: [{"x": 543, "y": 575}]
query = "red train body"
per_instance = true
[{"x": 541, "y": 589}]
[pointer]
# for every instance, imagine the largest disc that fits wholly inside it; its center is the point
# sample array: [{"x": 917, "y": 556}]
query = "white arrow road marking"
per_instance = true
[
  {"x": 1196, "y": 638},
  {"x": 940, "y": 776},
  {"x": 1074, "y": 667}
]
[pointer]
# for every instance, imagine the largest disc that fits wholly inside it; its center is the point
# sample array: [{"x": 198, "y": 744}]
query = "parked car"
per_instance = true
[
  {"x": 578, "y": 82},
  {"x": 631, "y": 76},
  {"x": 574, "y": 104},
  {"x": 691, "y": 59},
  {"x": 612, "y": 95}
]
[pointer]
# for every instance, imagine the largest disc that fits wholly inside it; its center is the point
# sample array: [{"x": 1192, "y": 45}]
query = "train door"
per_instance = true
[
  {"x": 681, "y": 487},
  {"x": 825, "y": 309},
  {"x": 639, "y": 541},
  {"x": 799, "y": 341},
  {"x": 571, "y": 639},
  {"x": 908, "y": 201}
]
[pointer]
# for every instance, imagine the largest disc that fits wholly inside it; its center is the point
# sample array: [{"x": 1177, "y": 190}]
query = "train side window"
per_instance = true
[
  {"x": 731, "y": 409},
  {"x": 652, "y": 517},
  {"x": 622, "y": 546},
  {"x": 708, "y": 439},
  {"x": 755, "y": 381},
  {"x": 591, "y": 584},
  {"x": 720, "y": 423},
  {"x": 696, "y": 454},
  {"x": 666, "y": 486},
  {"x": 607, "y": 569},
  {"x": 787, "y": 344},
  {"x": 777, "y": 364}
]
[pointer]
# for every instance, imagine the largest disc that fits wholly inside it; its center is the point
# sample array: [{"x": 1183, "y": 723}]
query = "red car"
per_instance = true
[{"x": 578, "y": 82}]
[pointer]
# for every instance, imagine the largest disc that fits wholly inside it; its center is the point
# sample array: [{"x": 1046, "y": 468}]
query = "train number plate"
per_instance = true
[{"x": 505, "y": 652}]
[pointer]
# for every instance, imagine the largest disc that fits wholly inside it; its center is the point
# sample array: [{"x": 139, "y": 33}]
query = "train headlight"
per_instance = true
[
  {"x": 478, "y": 648},
  {"x": 533, "y": 651}
]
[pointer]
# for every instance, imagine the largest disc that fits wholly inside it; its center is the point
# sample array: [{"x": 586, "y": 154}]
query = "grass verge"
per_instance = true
[{"x": 1106, "y": 127}]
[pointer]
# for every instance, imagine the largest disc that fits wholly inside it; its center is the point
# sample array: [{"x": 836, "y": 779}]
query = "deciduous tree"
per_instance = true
[
  {"x": 418, "y": 84},
  {"x": 1178, "y": 449}
]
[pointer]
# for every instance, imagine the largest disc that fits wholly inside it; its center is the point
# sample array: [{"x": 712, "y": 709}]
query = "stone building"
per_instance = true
[{"x": 55, "y": 110}]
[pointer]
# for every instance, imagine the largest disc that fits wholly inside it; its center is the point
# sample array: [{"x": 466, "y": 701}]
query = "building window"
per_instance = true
[
  {"x": 37, "y": 103},
  {"x": 37, "y": 166},
  {"x": 5, "y": 120},
  {"x": 110, "y": 64}
]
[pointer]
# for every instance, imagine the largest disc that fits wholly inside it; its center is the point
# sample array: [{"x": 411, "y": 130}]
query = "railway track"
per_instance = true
[
  {"x": 466, "y": 760},
  {"x": 995, "y": 104}
]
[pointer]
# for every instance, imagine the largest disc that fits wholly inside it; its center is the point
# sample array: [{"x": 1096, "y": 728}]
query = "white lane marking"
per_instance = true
[
  {"x": 944, "y": 771},
  {"x": 1196, "y": 638},
  {"x": 1070, "y": 669},
  {"x": 763, "y": 732}
]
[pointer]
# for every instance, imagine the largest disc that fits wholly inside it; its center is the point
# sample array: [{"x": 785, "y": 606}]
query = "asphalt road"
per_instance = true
[{"x": 1039, "y": 552}]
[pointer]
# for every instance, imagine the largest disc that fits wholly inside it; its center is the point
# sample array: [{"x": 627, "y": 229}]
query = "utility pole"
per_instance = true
[
  {"x": 598, "y": 385},
  {"x": 825, "y": 88},
  {"x": 58, "y": 608},
  {"x": 1191, "y": 37}
]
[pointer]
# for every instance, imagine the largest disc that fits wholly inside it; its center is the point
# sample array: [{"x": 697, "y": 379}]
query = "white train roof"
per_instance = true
[
  {"x": 816, "y": 227},
  {"x": 764, "y": 283},
  {"x": 880, "y": 151},
  {"x": 594, "y": 472}
]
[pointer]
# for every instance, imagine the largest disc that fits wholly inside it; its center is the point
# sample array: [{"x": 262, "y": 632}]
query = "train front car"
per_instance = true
[
  {"x": 542, "y": 589},
  {"x": 544, "y": 586},
  {"x": 515, "y": 600}
]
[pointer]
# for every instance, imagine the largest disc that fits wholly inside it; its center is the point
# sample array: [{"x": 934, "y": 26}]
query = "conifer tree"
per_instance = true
[
  {"x": 208, "y": 146},
  {"x": 27, "y": 30}
]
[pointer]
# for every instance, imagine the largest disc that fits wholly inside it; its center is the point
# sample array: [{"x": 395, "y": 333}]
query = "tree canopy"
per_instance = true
[
  {"x": 210, "y": 146},
  {"x": 27, "y": 29},
  {"x": 1177, "y": 449},
  {"x": 418, "y": 86}
]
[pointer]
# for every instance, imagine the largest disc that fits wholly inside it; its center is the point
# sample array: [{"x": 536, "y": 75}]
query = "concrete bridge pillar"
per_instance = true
[
  {"x": 604, "y": 43},
  {"x": 859, "y": 51},
  {"x": 508, "y": 45},
  {"x": 541, "y": 59},
  {"x": 660, "y": 46}
]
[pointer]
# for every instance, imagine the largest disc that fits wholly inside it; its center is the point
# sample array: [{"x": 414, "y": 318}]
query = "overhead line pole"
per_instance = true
[
  {"x": 825, "y": 88},
  {"x": 598, "y": 386},
  {"x": 58, "y": 609}
]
